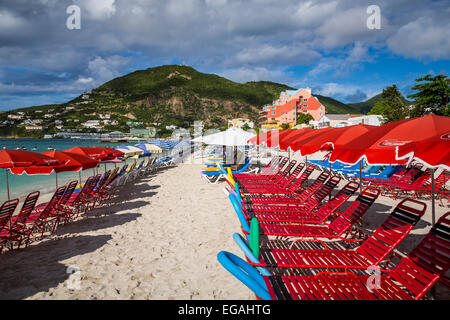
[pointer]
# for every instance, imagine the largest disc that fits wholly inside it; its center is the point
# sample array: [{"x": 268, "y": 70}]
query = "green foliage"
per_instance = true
[
  {"x": 284, "y": 126},
  {"x": 432, "y": 96},
  {"x": 391, "y": 107},
  {"x": 304, "y": 118},
  {"x": 245, "y": 127}
]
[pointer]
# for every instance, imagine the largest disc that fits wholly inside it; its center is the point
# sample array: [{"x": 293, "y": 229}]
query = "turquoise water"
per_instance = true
[{"x": 20, "y": 186}]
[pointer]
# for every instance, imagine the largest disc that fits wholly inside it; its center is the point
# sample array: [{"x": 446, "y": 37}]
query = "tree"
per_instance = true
[
  {"x": 245, "y": 127},
  {"x": 432, "y": 96},
  {"x": 392, "y": 107},
  {"x": 284, "y": 126},
  {"x": 304, "y": 118}
]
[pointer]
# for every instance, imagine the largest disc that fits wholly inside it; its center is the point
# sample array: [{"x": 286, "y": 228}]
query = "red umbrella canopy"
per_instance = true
[
  {"x": 94, "y": 153},
  {"x": 277, "y": 135},
  {"x": 289, "y": 136},
  {"x": 72, "y": 162},
  {"x": 379, "y": 145},
  {"x": 260, "y": 138},
  {"x": 325, "y": 140},
  {"x": 19, "y": 158},
  {"x": 433, "y": 151},
  {"x": 113, "y": 152},
  {"x": 290, "y": 139}
]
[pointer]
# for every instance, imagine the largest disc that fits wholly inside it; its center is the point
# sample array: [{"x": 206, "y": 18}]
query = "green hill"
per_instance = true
[
  {"x": 335, "y": 106},
  {"x": 365, "y": 106},
  {"x": 160, "y": 96}
]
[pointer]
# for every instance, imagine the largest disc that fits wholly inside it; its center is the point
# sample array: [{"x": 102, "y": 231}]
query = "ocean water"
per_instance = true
[{"x": 21, "y": 185}]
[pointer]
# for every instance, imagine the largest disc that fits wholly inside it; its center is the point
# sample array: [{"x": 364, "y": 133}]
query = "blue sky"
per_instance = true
[{"x": 325, "y": 45}]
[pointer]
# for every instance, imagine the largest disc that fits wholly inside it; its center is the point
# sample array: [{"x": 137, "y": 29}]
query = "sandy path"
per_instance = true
[{"x": 159, "y": 240}]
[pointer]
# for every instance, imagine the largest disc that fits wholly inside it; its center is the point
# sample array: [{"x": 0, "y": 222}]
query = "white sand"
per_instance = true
[{"x": 158, "y": 240}]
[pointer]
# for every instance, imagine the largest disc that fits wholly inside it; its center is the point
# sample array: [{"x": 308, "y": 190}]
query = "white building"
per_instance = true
[
  {"x": 92, "y": 124},
  {"x": 373, "y": 120}
]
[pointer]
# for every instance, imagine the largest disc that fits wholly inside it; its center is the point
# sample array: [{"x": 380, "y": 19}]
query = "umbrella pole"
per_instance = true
[
  {"x": 360, "y": 176},
  {"x": 7, "y": 183},
  {"x": 56, "y": 179},
  {"x": 329, "y": 196},
  {"x": 79, "y": 176},
  {"x": 105, "y": 167},
  {"x": 433, "y": 212}
]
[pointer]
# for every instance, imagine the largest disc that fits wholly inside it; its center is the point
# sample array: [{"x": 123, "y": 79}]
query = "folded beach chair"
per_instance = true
[
  {"x": 409, "y": 280},
  {"x": 6, "y": 212},
  {"x": 375, "y": 249}
]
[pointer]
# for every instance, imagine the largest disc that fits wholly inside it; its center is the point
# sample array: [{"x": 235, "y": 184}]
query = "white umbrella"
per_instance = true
[{"x": 232, "y": 137}]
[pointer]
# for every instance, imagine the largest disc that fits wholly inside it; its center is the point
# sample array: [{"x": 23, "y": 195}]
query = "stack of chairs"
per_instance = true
[{"x": 310, "y": 245}]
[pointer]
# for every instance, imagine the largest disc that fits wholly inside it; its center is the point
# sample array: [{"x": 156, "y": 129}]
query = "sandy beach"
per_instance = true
[{"x": 158, "y": 240}]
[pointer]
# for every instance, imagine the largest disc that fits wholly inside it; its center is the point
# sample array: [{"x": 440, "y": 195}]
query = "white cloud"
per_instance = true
[
  {"x": 245, "y": 74},
  {"x": 106, "y": 69},
  {"x": 422, "y": 38},
  {"x": 98, "y": 9}
]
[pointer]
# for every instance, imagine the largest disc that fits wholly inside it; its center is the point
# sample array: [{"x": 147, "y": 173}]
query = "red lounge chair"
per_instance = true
[
  {"x": 41, "y": 217},
  {"x": 294, "y": 191},
  {"x": 334, "y": 230},
  {"x": 6, "y": 212},
  {"x": 79, "y": 201},
  {"x": 372, "y": 251},
  {"x": 409, "y": 280},
  {"x": 272, "y": 179},
  {"x": 61, "y": 214},
  {"x": 297, "y": 206},
  {"x": 279, "y": 185},
  {"x": 18, "y": 232},
  {"x": 272, "y": 168},
  {"x": 320, "y": 216}
]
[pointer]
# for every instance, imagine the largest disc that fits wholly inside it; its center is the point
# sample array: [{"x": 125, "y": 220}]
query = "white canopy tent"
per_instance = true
[{"x": 232, "y": 137}]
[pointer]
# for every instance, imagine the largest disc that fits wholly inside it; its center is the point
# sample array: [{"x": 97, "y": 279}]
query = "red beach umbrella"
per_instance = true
[
  {"x": 91, "y": 152},
  {"x": 72, "y": 162},
  {"x": 379, "y": 145},
  {"x": 290, "y": 139},
  {"x": 10, "y": 159},
  {"x": 325, "y": 140},
  {"x": 260, "y": 138},
  {"x": 114, "y": 154}
]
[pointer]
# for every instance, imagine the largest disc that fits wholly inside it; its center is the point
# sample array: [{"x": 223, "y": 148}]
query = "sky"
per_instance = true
[{"x": 334, "y": 47}]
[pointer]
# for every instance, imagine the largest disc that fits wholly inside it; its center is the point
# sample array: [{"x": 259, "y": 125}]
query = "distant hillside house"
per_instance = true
[
  {"x": 289, "y": 105},
  {"x": 33, "y": 127},
  {"x": 92, "y": 124},
  {"x": 240, "y": 122},
  {"x": 146, "y": 133},
  {"x": 15, "y": 116}
]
